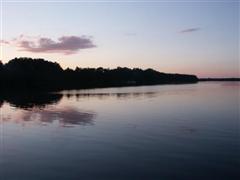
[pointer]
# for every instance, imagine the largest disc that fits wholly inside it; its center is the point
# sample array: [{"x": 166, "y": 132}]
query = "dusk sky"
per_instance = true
[{"x": 192, "y": 37}]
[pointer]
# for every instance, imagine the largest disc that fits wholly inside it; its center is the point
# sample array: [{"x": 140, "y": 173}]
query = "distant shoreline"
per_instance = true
[{"x": 219, "y": 79}]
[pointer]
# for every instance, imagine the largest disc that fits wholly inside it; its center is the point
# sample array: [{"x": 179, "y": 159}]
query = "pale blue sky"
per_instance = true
[{"x": 134, "y": 34}]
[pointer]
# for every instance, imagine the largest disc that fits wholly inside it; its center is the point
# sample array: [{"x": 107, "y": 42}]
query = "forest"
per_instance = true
[{"x": 42, "y": 75}]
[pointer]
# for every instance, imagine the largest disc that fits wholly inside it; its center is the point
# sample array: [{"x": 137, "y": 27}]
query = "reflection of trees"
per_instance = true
[
  {"x": 29, "y": 100},
  {"x": 107, "y": 95}
]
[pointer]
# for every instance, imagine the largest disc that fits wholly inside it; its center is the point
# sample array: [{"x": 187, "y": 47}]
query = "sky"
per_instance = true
[{"x": 190, "y": 37}]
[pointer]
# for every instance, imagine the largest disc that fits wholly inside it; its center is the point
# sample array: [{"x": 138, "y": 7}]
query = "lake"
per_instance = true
[{"x": 163, "y": 132}]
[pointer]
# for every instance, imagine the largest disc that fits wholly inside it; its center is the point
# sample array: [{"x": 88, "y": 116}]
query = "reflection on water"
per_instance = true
[
  {"x": 104, "y": 95},
  {"x": 65, "y": 117},
  {"x": 166, "y": 132},
  {"x": 39, "y": 109},
  {"x": 36, "y": 100},
  {"x": 29, "y": 100}
]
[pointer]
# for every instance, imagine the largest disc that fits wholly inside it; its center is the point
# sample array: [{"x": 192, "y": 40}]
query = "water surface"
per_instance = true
[{"x": 131, "y": 133}]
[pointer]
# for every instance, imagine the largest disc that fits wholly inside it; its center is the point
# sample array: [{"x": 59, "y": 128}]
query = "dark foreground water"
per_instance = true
[{"x": 151, "y": 132}]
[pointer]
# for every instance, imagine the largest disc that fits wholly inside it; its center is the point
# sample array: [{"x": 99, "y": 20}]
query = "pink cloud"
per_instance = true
[
  {"x": 65, "y": 44},
  {"x": 4, "y": 42}
]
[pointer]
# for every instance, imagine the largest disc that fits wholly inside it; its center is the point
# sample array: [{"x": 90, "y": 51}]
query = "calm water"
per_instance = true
[{"x": 149, "y": 132}]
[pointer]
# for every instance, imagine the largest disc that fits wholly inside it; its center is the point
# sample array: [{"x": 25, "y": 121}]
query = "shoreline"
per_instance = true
[
  {"x": 219, "y": 79},
  {"x": 35, "y": 91}
]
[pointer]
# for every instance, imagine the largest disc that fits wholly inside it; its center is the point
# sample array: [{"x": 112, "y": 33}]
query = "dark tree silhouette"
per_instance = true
[{"x": 39, "y": 74}]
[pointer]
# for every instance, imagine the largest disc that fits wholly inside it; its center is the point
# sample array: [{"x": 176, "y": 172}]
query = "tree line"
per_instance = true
[{"x": 40, "y": 74}]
